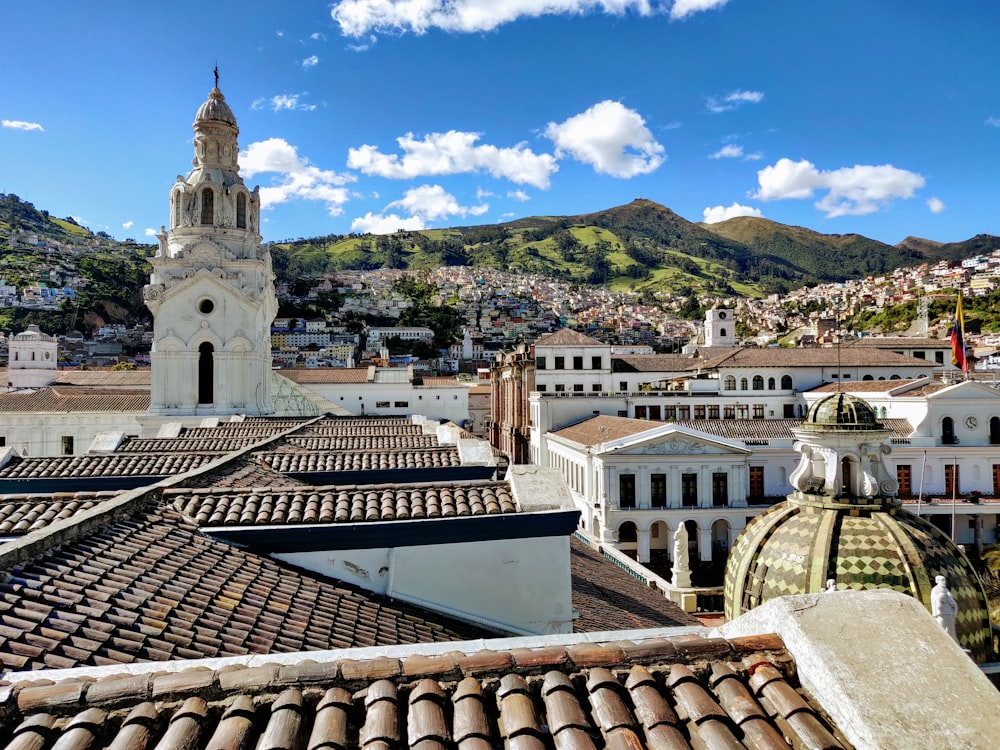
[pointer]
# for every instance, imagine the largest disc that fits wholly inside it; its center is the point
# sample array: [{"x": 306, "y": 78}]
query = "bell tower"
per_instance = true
[{"x": 211, "y": 291}]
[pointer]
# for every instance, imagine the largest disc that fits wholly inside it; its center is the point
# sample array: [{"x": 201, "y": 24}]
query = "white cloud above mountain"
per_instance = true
[
  {"x": 850, "y": 191},
  {"x": 454, "y": 152},
  {"x": 715, "y": 214},
  {"x": 936, "y": 205},
  {"x": 295, "y": 177},
  {"x": 610, "y": 137},
  {"x": 424, "y": 204}
]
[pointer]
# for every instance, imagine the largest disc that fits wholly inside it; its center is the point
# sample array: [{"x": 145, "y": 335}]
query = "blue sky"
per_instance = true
[{"x": 867, "y": 116}]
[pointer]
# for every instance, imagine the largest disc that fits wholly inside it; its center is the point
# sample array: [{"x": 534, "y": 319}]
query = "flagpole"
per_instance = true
[{"x": 920, "y": 496}]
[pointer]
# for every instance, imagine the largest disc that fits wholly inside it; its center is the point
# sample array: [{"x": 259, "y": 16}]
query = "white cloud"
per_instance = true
[
  {"x": 936, "y": 205},
  {"x": 385, "y": 224},
  {"x": 359, "y": 17},
  {"x": 851, "y": 191},
  {"x": 128, "y": 224},
  {"x": 715, "y": 214},
  {"x": 310, "y": 61},
  {"x": 454, "y": 152},
  {"x": 684, "y": 8},
  {"x": 729, "y": 151},
  {"x": 21, "y": 125},
  {"x": 993, "y": 122},
  {"x": 296, "y": 178},
  {"x": 482, "y": 193},
  {"x": 423, "y": 204},
  {"x": 283, "y": 101},
  {"x": 609, "y": 136},
  {"x": 733, "y": 99},
  {"x": 519, "y": 195},
  {"x": 149, "y": 232},
  {"x": 318, "y": 36},
  {"x": 734, "y": 151}
]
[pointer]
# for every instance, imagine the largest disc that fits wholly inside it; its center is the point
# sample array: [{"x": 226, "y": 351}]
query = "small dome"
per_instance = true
[
  {"x": 797, "y": 546},
  {"x": 215, "y": 109},
  {"x": 841, "y": 412}
]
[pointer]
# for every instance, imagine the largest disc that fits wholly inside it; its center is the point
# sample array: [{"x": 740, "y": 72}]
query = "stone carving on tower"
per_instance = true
[{"x": 211, "y": 291}]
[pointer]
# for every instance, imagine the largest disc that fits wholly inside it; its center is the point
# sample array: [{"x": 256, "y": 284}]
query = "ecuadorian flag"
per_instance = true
[{"x": 958, "y": 357}]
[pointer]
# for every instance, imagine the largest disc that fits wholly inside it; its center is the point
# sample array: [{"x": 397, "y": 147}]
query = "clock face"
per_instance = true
[
  {"x": 971, "y": 422},
  {"x": 722, "y": 316}
]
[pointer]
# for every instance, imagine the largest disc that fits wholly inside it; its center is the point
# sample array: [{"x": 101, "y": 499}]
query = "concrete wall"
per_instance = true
[{"x": 519, "y": 586}]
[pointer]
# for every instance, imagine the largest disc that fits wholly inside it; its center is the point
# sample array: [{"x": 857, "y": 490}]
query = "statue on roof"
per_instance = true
[{"x": 943, "y": 606}]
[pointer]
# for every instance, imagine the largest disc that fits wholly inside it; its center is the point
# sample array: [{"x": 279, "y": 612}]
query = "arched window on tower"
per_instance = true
[
  {"x": 207, "y": 206},
  {"x": 770, "y": 384},
  {"x": 994, "y": 430},
  {"x": 241, "y": 211},
  {"x": 786, "y": 382},
  {"x": 948, "y": 432},
  {"x": 206, "y": 373},
  {"x": 722, "y": 333}
]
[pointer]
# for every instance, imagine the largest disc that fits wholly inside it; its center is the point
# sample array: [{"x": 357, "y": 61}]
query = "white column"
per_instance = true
[
  {"x": 704, "y": 487},
  {"x": 674, "y": 489},
  {"x": 705, "y": 544},
  {"x": 642, "y": 546},
  {"x": 642, "y": 487}
]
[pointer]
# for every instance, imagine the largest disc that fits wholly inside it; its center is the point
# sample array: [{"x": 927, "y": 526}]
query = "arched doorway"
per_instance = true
[
  {"x": 720, "y": 541},
  {"x": 206, "y": 373}
]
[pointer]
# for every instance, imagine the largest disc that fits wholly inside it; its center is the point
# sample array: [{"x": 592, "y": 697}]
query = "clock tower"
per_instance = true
[
  {"x": 720, "y": 327},
  {"x": 211, "y": 291}
]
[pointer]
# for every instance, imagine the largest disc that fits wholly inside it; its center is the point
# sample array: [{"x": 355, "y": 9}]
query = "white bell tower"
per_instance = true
[
  {"x": 211, "y": 291},
  {"x": 720, "y": 327}
]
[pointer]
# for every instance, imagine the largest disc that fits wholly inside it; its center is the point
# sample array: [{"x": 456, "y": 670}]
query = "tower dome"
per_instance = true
[
  {"x": 215, "y": 109},
  {"x": 842, "y": 523}
]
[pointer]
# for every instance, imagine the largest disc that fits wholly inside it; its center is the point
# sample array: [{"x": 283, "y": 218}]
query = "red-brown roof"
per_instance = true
[{"x": 75, "y": 399}]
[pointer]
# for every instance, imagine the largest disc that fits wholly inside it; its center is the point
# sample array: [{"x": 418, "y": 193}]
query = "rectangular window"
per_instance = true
[
  {"x": 540, "y": 387},
  {"x": 560, "y": 363},
  {"x": 622, "y": 386},
  {"x": 699, "y": 411},
  {"x": 658, "y": 490},
  {"x": 560, "y": 387},
  {"x": 596, "y": 387},
  {"x": 67, "y": 445},
  {"x": 952, "y": 482},
  {"x": 742, "y": 411},
  {"x": 939, "y": 357},
  {"x": 757, "y": 481},
  {"x": 626, "y": 491},
  {"x": 401, "y": 404},
  {"x": 720, "y": 489},
  {"x": 578, "y": 387},
  {"x": 3, "y": 441},
  {"x": 904, "y": 477},
  {"x": 381, "y": 404},
  {"x": 539, "y": 363},
  {"x": 595, "y": 363},
  {"x": 670, "y": 412},
  {"x": 684, "y": 412},
  {"x": 996, "y": 480},
  {"x": 729, "y": 411},
  {"x": 758, "y": 411},
  {"x": 689, "y": 490},
  {"x": 713, "y": 411},
  {"x": 654, "y": 412},
  {"x": 577, "y": 363},
  {"x": 640, "y": 412}
]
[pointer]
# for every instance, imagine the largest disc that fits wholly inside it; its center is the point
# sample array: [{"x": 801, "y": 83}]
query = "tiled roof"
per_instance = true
[
  {"x": 74, "y": 399},
  {"x": 341, "y": 504},
  {"x": 296, "y": 463},
  {"x": 566, "y": 337},
  {"x": 106, "y": 378},
  {"x": 608, "y": 598},
  {"x": 866, "y": 386},
  {"x": 361, "y": 442},
  {"x": 655, "y": 363},
  {"x": 602, "y": 429},
  {"x": 439, "y": 382},
  {"x": 327, "y": 375},
  {"x": 901, "y": 342},
  {"x": 348, "y": 430},
  {"x": 103, "y": 465},
  {"x": 679, "y": 692},
  {"x": 151, "y": 588},
  {"x": 243, "y": 472},
  {"x": 180, "y": 444},
  {"x": 817, "y": 357},
  {"x": 20, "y": 514}
]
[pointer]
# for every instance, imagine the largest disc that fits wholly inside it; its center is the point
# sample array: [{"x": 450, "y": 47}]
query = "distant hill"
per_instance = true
[{"x": 638, "y": 246}]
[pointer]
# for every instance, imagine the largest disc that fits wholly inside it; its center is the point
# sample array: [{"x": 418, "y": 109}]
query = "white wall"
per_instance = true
[{"x": 520, "y": 586}]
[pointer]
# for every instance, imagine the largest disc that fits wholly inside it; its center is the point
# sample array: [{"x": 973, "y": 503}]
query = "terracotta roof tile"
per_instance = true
[
  {"x": 566, "y": 337},
  {"x": 74, "y": 399},
  {"x": 103, "y": 465},
  {"x": 324, "y": 461},
  {"x": 341, "y": 504},
  {"x": 20, "y": 514},
  {"x": 608, "y": 598},
  {"x": 153, "y": 588},
  {"x": 658, "y": 701},
  {"x": 327, "y": 375}
]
